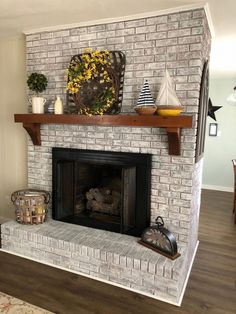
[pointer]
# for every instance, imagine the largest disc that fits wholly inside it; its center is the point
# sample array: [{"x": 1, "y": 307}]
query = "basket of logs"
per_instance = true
[{"x": 30, "y": 205}]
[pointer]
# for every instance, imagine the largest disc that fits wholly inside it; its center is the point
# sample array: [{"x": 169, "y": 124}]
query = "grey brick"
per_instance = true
[
  {"x": 130, "y": 262},
  {"x": 179, "y": 33},
  {"x": 190, "y": 39},
  {"x": 191, "y": 23},
  {"x": 33, "y": 37},
  {"x": 54, "y": 41},
  {"x": 197, "y": 31},
  {"x": 198, "y": 13},
  {"x": 158, "y": 35},
  {"x": 115, "y": 26},
  {"x": 90, "y": 36},
  {"x": 135, "y": 23},
  {"x": 106, "y": 34},
  {"x": 167, "y": 26},
  {"x": 134, "y": 38},
  {"x": 196, "y": 47},
  {"x": 62, "y": 33},
  {"x": 178, "y": 49},
  {"x": 144, "y": 44},
  {"x": 98, "y": 43},
  {"x": 188, "y": 86},
  {"x": 115, "y": 40},
  {"x": 148, "y": 281},
  {"x": 123, "y": 260},
  {"x": 97, "y": 28},
  {"x": 157, "y": 20},
  {"x": 166, "y": 42},
  {"x": 124, "y": 32},
  {"x": 137, "y": 264},
  {"x": 152, "y": 268},
  {"x": 145, "y": 29}
]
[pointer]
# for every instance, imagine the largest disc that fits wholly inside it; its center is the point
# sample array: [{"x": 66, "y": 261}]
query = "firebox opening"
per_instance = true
[
  {"x": 98, "y": 195},
  {"x": 103, "y": 190}
]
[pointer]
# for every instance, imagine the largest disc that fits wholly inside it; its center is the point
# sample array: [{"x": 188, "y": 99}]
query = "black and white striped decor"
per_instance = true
[{"x": 145, "y": 97}]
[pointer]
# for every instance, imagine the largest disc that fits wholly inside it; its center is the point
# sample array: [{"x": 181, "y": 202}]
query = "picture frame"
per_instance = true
[
  {"x": 213, "y": 129},
  {"x": 202, "y": 112}
]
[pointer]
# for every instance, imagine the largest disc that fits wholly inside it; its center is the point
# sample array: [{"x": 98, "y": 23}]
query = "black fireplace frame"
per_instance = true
[{"x": 142, "y": 162}]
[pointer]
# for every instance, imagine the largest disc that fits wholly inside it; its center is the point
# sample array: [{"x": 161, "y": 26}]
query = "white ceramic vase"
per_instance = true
[
  {"x": 58, "y": 106},
  {"x": 37, "y": 104}
]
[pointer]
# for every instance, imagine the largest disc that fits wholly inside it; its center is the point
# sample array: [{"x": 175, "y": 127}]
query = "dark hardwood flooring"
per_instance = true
[{"x": 211, "y": 288}]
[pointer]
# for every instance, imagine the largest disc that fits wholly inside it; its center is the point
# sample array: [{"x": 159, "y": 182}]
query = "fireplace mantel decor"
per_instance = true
[
  {"x": 172, "y": 125},
  {"x": 100, "y": 77}
]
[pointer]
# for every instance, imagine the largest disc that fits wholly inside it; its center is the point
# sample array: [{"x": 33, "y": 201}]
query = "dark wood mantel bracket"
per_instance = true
[
  {"x": 33, "y": 130},
  {"x": 173, "y": 125},
  {"x": 174, "y": 135}
]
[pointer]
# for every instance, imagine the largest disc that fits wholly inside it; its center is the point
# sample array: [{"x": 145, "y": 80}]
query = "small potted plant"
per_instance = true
[{"x": 37, "y": 83}]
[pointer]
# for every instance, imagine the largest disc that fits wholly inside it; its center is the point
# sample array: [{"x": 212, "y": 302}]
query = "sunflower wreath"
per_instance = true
[{"x": 92, "y": 82}]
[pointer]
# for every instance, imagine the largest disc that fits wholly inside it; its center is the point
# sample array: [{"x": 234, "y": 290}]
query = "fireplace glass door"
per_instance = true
[{"x": 104, "y": 190}]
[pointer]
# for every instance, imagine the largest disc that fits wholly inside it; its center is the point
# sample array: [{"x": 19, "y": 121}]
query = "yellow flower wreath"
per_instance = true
[{"x": 91, "y": 66}]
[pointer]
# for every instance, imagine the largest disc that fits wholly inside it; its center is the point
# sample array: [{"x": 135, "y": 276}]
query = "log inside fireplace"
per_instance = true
[{"x": 104, "y": 190}]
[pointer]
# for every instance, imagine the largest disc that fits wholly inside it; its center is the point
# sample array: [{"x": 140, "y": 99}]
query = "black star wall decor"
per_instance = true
[{"x": 212, "y": 109}]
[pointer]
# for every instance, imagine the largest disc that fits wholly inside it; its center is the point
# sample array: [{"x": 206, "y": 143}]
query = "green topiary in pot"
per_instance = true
[{"x": 37, "y": 83}]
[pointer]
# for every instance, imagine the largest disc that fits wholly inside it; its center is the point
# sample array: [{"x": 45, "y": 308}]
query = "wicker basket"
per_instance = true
[{"x": 31, "y": 205}]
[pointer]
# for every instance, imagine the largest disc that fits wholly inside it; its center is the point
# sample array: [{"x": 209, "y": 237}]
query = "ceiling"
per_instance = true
[{"x": 22, "y": 15}]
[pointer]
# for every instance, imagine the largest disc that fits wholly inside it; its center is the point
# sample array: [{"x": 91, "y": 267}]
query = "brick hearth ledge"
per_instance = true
[{"x": 111, "y": 257}]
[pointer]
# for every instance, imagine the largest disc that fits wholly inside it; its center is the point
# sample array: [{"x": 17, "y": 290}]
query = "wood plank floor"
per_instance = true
[{"x": 211, "y": 288}]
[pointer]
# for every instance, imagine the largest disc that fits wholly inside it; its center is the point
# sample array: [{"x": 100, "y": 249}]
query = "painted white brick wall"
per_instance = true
[
  {"x": 169, "y": 197},
  {"x": 173, "y": 41},
  {"x": 179, "y": 42}
]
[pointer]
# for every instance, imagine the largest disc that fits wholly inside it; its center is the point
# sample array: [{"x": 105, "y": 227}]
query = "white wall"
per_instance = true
[
  {"x": 13, "y": 171},
  {"x": 220, "y": 150}
]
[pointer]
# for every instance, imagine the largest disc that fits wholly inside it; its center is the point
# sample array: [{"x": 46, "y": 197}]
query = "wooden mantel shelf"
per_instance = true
[{"x": 173, "y": 125}]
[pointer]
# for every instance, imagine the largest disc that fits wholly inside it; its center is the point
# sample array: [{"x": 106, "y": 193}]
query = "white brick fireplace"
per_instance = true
[{"x": 178, "y": 41}]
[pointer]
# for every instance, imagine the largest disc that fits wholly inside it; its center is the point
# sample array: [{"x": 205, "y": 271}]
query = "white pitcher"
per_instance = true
[{"x": 37, "y": 104}]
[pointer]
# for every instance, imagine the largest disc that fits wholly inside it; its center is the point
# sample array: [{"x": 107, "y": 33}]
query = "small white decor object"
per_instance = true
[
  {"x": 58, "y": 106},
  {"x": 167, "y": 101},
  {"x": 145, "y": 104},
  {"x": 37, "y": 104}
]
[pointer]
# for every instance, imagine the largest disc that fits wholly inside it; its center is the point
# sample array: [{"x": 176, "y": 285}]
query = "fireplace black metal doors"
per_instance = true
[{"x": 104, "y": 190}]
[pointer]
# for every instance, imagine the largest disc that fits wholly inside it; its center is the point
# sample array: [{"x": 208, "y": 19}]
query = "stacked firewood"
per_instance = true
[{"x": 103, "y": 200}]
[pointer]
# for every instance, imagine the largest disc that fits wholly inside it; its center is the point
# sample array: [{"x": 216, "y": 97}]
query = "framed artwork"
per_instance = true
[
  {"x": 202, "y": 112},
  {"x": 213, "y": 128}
]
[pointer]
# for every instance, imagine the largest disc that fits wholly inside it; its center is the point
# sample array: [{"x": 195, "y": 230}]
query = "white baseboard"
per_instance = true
[{"x": 218, "y": 188}]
